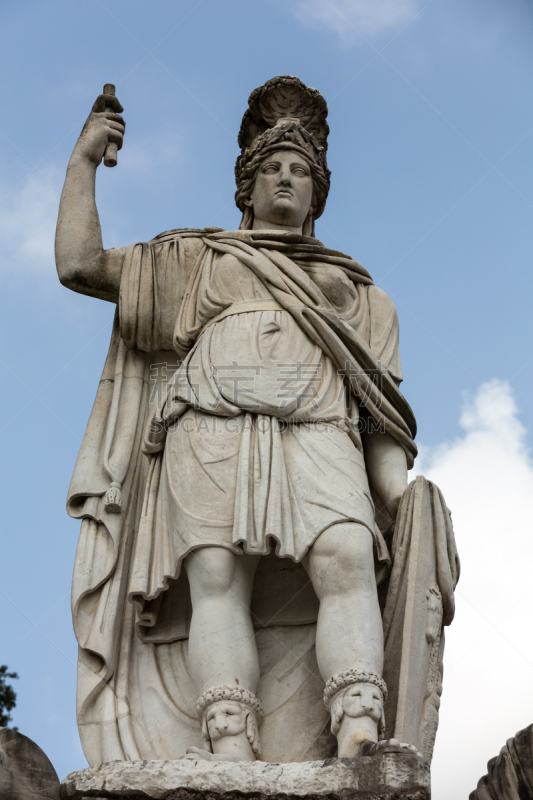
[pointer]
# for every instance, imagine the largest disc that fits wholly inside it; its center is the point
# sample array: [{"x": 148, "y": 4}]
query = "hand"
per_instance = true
[{"x": 104, "y": 124}]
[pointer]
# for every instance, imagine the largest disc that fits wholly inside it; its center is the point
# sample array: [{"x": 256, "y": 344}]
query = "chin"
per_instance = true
[{"x": 282, "y": 212}]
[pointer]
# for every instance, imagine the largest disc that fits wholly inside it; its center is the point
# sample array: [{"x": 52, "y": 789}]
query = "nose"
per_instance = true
[
  {"x": 284, "y": 176},
  {"x": 221, "y": 724},
  {"x": 368, "y": 705}
]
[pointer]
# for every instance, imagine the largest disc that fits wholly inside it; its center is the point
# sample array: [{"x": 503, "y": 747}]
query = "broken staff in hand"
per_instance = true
[{"x": 107, "y": 101}]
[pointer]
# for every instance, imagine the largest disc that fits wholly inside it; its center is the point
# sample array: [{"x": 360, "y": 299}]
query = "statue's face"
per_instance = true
[
  {"x": 363, "y": 700},
  {"x": 225, "y": 718},
  {"x": 283, "y": 190}
]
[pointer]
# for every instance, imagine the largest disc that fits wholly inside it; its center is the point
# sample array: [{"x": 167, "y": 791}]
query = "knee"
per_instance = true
[
  {"x": 342, "y": 559},
  {"x": 211, "y": 571}
]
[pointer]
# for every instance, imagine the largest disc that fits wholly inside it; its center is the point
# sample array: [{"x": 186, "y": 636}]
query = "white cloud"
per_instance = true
[
  {"x": 28, "y": 216},
  {"x": 486, "y": 476},
  {"x": 348, "y": 18},
  {"x": 28, "y": 212}
]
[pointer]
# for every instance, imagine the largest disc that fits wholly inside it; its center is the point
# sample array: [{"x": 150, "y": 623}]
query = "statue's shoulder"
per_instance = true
[
  {"x": 383, "y": 313},
  {"x": 183, "y": 233},
  {"x": 381, "y": 303}
]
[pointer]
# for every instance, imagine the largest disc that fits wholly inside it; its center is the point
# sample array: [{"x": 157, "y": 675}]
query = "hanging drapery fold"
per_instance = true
[{"x": 420, "y": 600}]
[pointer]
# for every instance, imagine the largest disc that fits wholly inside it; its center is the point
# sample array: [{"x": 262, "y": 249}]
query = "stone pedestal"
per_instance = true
[{"x": 389, "y": 776}]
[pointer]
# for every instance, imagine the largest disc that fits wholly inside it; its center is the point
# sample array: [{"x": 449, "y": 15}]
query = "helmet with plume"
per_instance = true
[{"x": 284, "y": 114}]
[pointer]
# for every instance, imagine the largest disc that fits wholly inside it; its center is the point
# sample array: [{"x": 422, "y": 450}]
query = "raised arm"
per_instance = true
[{"x": 82, "y": 263}]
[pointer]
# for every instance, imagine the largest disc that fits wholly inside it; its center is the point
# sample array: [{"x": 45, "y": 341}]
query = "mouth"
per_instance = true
[{"x": 284, "y": 192}]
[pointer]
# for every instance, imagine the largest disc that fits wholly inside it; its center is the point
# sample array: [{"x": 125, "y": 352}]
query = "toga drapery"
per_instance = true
[{"x": 241, "y": 367}]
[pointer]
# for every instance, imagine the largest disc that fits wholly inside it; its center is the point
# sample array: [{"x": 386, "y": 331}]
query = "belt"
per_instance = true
[{"x": 244, "y": 308}]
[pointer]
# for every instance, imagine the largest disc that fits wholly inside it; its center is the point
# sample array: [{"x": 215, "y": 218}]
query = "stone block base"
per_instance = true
[
  {"x": 389, "y": 776},
  {"x": 25, "y": 771}
]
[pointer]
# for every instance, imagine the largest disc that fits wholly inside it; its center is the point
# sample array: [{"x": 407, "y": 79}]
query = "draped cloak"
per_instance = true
[{"x": 136, "y": 698}]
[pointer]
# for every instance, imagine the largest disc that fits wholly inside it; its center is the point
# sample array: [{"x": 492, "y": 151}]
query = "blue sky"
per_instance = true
[{"x": 431, "y": 150}]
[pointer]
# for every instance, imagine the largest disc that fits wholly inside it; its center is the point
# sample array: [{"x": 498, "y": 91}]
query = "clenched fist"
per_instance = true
[{"x": 104, "y": 125}]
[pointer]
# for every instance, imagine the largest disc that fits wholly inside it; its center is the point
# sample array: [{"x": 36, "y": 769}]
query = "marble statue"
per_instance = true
[
  {"x": 254, "y": 578},
  {"x": 510, "y": 773}
]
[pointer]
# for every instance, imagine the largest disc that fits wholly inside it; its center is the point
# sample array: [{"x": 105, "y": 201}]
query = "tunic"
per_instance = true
[
  {"x": 262, "y": 457},
  {"x": 245, "y": 464}
]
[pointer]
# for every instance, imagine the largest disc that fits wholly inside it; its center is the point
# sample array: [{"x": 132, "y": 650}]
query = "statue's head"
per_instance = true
[{"x": 282, "y": 174}]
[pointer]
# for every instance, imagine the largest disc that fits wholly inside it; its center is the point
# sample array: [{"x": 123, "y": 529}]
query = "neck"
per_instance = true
[{"x": 264, "y": 225}]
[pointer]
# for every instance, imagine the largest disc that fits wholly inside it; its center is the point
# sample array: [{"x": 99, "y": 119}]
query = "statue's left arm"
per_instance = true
[
  {"x": 386, "y": 464},
  {"x": 386, "y": 459}
]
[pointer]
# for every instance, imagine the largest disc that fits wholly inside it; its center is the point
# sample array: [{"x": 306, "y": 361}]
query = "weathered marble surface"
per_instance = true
[
  {"x": 509, "y": 774},
  {"x": 25, "y": 771},
  {"x": 390, "y": 776},
  {"x": 282, "y": 428}
]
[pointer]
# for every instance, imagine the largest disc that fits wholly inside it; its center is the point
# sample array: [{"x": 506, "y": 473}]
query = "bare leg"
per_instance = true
[
  {"x": 349, "y": 631},
  {"x": 222, "y": 649}
]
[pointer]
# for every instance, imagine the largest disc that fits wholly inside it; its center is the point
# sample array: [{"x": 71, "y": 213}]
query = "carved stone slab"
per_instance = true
[
  {"x": 390, "y": 776},
  {"x": 25, "y": 771}
]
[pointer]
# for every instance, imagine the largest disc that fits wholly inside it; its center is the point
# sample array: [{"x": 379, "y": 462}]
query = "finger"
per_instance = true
[
  {"x": 116, "y": 126},
  {"x": 114, "y": 117},
  {"x": 104, "y": 101},
  {"x": 99, "y": 104},
  {"x": 112, "y": 102},
  {"x": 116, "y": 137}
]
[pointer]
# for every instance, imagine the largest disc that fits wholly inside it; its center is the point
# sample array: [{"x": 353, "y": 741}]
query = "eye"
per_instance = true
[{"x": 270, "y": 168}]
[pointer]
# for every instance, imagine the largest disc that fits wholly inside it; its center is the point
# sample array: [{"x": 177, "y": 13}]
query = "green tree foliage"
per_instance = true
[{"x": 8, "y": 697}]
